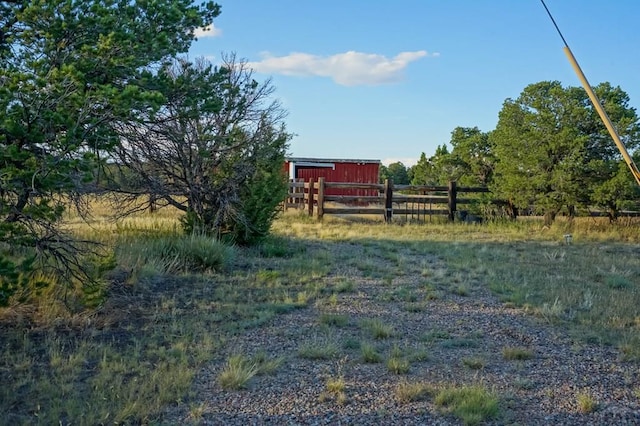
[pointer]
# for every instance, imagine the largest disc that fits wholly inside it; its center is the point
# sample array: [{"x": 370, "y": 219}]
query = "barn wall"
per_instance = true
[{"x": 344, "y": 172}]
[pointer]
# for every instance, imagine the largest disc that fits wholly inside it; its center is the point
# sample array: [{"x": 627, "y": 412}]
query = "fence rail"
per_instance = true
[
  {"x": 409, "y": 200},
  {"x": 312, "y": 196}
]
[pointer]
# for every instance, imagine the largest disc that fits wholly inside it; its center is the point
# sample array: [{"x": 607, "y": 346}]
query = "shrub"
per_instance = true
[{"x": 262, "y": 193}]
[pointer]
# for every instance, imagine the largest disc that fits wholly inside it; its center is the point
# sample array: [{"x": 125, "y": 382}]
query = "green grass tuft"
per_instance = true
[
  {"x": 369, "y": 353},
  {"x": 475, "y": 363},
  {"x": 237, "y": 373},
  {"x": 406, "y": 391},
  {"x": 377, "y": 328},
  {"x": 586, "y": 402},
  {"x": 472, "y": 404},
  {"x": 515, "y": 353},
  {"x": 318, "y": 349},
  {"x": 398, "y": 365},
  {"x": 334, "y": 320}
]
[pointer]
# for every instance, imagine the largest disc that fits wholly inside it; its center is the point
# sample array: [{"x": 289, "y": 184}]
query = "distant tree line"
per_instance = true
[{"x": 549, "y": 152}]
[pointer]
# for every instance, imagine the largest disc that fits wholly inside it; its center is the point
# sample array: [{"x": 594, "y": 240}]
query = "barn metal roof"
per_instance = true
[{"x": 329, "y": 160}]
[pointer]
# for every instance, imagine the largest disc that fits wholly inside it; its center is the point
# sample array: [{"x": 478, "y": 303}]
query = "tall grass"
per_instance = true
[{"x": 175, "y": 254}]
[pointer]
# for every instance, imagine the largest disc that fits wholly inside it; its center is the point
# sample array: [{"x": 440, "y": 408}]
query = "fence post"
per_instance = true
[
  {"x": 288, "y": 197},
  {"x": 453, "y": 192},
  {"x": 299, "y": 190},
  {"x": 311, "y": 184},
  {"x": 320, "y": 197},
  {"x": 388, "y": 200}
]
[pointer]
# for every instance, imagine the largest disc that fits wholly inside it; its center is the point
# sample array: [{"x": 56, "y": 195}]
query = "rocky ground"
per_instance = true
[{"x": 447, "y": 333}]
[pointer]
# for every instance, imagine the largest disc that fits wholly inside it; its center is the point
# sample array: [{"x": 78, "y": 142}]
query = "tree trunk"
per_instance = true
[
  {"x": 549, "y": 217},
  {"x": 512, "y": 210},
  {"x": 23, "y": 199}
]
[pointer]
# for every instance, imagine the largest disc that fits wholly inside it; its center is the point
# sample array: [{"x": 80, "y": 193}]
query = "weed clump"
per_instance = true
[
  {"x": 237, "y": 373},
  {"x": 472, "y": 404},
  {"x": 516, "y": 354}
]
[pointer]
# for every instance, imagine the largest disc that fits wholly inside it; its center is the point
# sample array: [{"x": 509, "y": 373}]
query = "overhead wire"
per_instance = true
[{"x": 596, "y": 102}]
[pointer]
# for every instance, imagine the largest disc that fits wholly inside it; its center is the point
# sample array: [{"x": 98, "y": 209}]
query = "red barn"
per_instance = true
[{"x": 333, "y": 170}]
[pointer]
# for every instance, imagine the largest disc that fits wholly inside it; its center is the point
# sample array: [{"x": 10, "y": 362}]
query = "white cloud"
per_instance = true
[
  {"x": 210, "y": 31},
  {"x": 407, "y": 161},
  {"x": 348, "y": 69}
]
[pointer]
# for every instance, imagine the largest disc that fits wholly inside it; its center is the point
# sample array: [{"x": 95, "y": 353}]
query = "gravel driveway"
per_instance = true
[{"x": 448, "y": 336}]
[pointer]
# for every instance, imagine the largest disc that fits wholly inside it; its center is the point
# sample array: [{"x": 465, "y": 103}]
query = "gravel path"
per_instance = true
[{"x": 449, "y": 336}]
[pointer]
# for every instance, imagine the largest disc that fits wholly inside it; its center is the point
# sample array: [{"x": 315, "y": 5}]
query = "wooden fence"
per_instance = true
[{"x": 415, "y": 200}]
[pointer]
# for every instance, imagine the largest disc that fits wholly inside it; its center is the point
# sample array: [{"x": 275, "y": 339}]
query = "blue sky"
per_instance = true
[{"x": 390, "y": 80}]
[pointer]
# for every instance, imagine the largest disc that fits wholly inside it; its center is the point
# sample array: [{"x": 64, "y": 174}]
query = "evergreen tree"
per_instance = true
[{"x": 67, "y": 70}]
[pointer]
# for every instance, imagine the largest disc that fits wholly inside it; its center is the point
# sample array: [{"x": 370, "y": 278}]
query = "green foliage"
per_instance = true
[
  {"x": 318, "y": 349},
  {"x": 397, "y": 172},
  {"x": 335, "y": 320},
  {"x": 223, "y": 142},
  {"x": 15, "y": 277},
  {"x": 71, "y": 71},
  {"x": 552, "y": 150},
  {"x": 377, "y": 328},
  {"x": 473, "y": 154},
  {"x": 617, "y": 193},
  {"x": 264, "y": 190},
  {"x": 275, "y": 247},
  {"x": 586, "y": 402},
  {"x": 398, "y": 365},
  {"x": 407, "y": 391},
  {"x": 474, "y": 363},
  {"x": 445, "y": 166},
  {"x": 421, "y": 173},
  {"x": 439, "y": 169}
]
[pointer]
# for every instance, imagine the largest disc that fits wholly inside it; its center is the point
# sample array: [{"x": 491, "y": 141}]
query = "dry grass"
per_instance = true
[
  {"x": 237, "y": 373},
  {"x": 407, "y": 391},
  {"x": 398, "y": 365},
  {"x": 516, "y": 353},
  {"x": 586, "y": 402},
  {"x": 147, "y": 332}
]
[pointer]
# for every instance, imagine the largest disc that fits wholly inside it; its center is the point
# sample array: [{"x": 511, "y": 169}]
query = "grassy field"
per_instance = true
[{"x": 127, "y": 349}]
